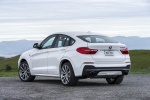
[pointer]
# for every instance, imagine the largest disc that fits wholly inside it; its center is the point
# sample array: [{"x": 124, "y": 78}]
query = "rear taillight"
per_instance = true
[
  {"x": 124, "y": 50},
  {"x": 86, "y": 50}
]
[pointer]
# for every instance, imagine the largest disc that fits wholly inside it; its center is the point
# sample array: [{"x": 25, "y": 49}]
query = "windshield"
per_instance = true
[{"x": 97, "y": 39}]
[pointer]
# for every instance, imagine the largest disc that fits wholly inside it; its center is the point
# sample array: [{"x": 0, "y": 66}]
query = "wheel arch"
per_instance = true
[
  {"x": 22, "y": 59},
  {"x": 64, "y": 61}
]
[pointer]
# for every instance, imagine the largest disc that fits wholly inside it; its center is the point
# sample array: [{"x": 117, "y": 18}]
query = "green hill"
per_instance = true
[
  {"x": 2, "y": 58},
  {"x": 140, "y": 60}
]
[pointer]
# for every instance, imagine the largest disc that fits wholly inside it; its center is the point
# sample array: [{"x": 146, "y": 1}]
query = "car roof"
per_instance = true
[{"x": 78, "y": 33}]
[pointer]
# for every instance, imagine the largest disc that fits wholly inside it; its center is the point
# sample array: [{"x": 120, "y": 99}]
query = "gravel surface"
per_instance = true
[{"x": 134, "y": 87}]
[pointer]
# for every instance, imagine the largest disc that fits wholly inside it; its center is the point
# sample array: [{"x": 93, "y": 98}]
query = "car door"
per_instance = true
[
  {"x": 55, "y": 54},
  {"x": 39, "y": 57}
]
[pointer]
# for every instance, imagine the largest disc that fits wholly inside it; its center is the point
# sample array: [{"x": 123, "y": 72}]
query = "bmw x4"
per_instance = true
[{"x": 76, "y": 55}]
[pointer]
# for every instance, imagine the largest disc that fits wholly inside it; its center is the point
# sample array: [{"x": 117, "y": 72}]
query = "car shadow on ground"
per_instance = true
[
  {"x": 81, "y": 83},
  {"x": 48, "y": 81}
]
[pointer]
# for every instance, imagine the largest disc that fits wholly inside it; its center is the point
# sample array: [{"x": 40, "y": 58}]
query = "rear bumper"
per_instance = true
[{"x": 91, "y": 71}]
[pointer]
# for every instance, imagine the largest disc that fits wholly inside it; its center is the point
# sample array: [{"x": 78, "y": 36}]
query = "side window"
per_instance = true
[
  {"x": 67, "y": 41},
  {"x": 48, "y": 42},
  {"x": 60, "y": 41},
  {"x": 63, "y": 41},
  {"x": 72, "y": 41}
]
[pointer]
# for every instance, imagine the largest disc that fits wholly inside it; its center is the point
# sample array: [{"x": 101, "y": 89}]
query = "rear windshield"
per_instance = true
[{"x": 97, "y": 39}]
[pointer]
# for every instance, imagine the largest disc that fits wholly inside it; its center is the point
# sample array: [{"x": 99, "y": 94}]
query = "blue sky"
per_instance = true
[{"x": 35, "y": 19}]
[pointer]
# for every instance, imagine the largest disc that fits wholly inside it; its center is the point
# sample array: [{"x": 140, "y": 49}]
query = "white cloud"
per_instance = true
[
  {"x": 111, "y": 27},
  {"x": 30, "y": 18}
]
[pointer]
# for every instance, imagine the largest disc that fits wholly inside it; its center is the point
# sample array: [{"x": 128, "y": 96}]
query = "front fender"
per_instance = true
[{"x": 27, "y": 58}]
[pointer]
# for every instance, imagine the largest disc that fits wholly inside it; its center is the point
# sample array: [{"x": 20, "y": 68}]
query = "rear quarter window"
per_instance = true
[{"x": 97, "y": 39}]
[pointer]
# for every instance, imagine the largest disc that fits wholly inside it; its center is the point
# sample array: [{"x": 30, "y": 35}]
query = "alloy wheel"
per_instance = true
[
  {"x": 65, "y": 74},
  {"x": 24, "y": 71}
]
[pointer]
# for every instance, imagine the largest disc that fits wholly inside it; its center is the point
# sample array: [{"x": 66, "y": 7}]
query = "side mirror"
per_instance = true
[{"x": 36, "y": 45}]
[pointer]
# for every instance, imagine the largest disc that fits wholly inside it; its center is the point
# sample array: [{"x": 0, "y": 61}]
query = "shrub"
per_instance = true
[{"x": 8, "y": 67}]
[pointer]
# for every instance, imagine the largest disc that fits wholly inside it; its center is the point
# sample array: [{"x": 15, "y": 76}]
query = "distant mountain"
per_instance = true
[
  {"x": 134, "y": 42},
  {"x": 12, "y": 48}
]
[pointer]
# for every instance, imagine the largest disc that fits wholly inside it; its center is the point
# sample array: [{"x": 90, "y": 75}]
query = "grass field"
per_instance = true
[
  {"x": 140, "y": 60},
  {"x": 13, "y": 62}
]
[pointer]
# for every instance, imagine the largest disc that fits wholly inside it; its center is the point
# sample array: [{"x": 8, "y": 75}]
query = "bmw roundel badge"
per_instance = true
[{"x": 110, "y": 47}]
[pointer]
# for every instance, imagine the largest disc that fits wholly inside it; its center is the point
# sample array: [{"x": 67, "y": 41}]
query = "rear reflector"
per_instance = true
[
  {"x": 86, "y": 50},
  {"x": 124, "y": 50},
  {"x": 88, "y": 62}
]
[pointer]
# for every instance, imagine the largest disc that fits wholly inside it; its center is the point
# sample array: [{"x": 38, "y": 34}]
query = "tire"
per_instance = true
[
  {"x": 116, "y": 80},
  {"x": 67, "y": 75},
  {"x": 24, "y": 72}
]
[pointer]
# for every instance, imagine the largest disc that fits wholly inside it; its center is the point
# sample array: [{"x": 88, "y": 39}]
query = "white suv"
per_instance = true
[{"x": 76, "y": 55}]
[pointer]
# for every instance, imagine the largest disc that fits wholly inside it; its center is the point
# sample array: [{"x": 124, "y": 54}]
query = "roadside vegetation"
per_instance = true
[
  {"x": 140, "y": 60},
  {"x": 8, "y": 66}
]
